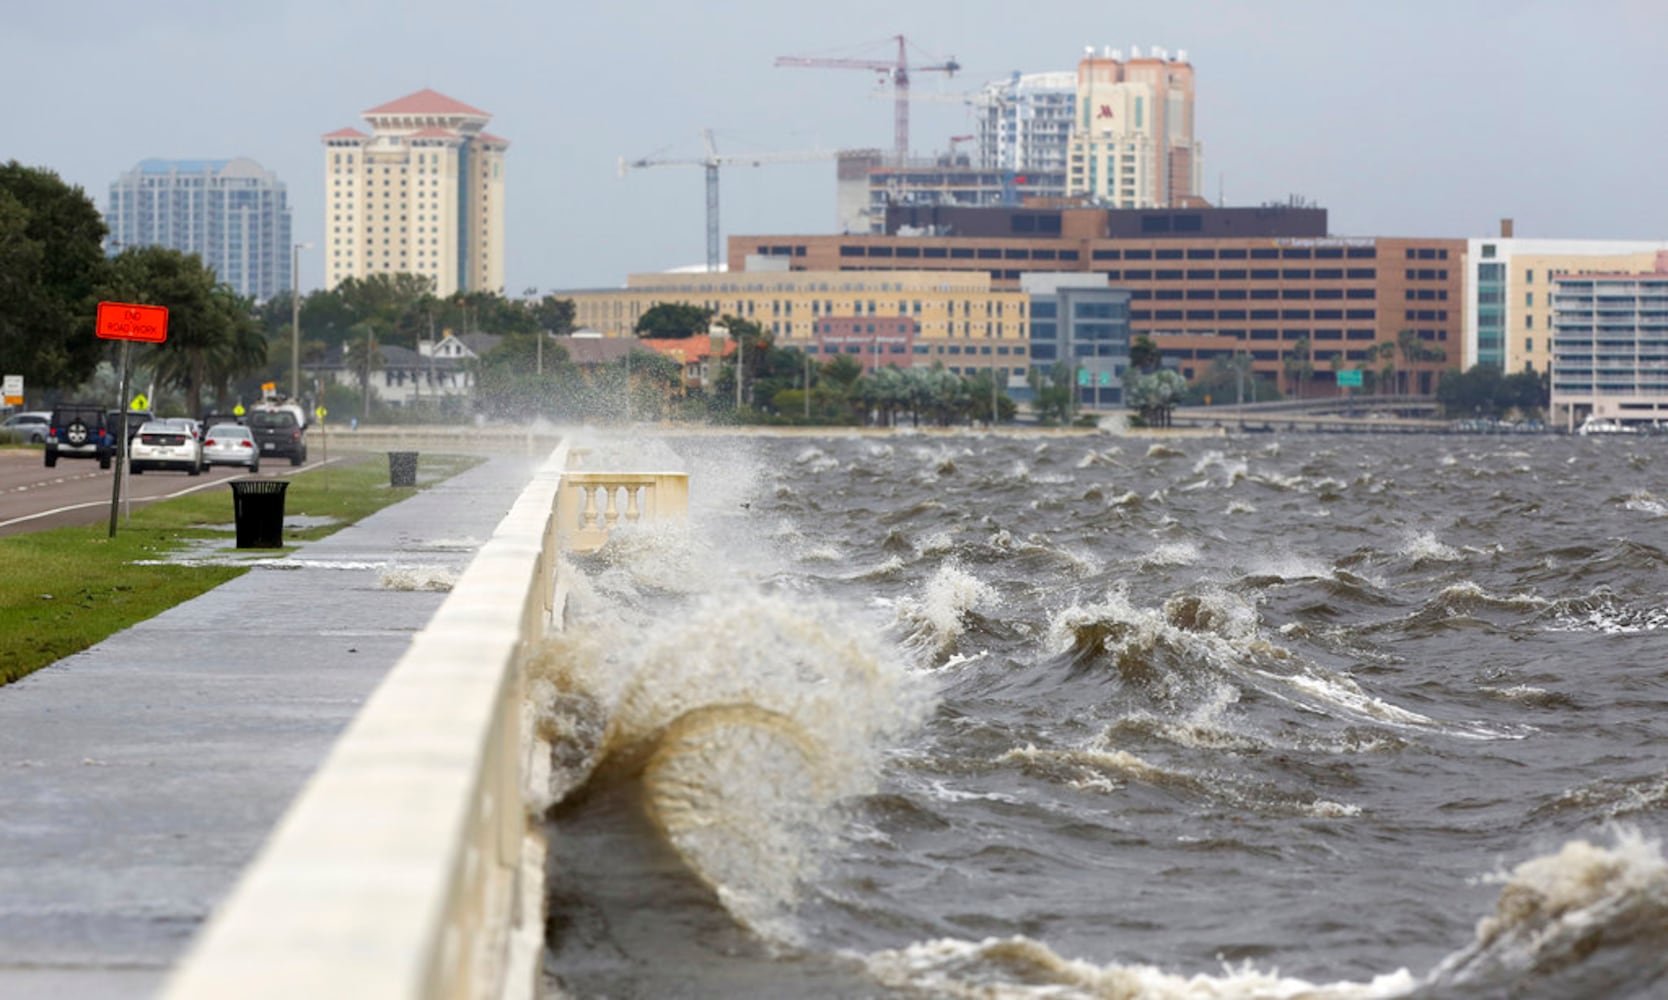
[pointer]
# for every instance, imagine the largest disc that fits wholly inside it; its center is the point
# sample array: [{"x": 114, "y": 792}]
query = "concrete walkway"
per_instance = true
[{"x": 139, "y": 777}]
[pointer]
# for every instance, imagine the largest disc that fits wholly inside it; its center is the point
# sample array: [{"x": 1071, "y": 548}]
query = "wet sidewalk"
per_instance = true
[{"x": 139, "y": 777}]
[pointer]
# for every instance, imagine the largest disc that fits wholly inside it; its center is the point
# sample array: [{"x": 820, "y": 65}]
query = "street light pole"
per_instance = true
[{"x": 295, "y": 319}]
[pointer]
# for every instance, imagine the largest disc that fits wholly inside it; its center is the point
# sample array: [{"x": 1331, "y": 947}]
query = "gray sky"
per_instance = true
[{"x": 1411, "y": 118}]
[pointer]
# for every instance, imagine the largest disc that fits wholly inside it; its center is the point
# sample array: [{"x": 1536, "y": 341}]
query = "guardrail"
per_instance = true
[
  {"x": 590, "y": 503},
  {"x": 336, "y": 438},
  {"x": 409, "y": 867}
]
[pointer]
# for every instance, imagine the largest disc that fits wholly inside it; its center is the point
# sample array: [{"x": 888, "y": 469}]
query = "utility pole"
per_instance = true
[{"x": 807, "y": 387}]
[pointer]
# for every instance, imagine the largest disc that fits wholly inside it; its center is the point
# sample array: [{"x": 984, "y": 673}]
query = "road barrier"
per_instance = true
[{"x": 409, "y": 866}]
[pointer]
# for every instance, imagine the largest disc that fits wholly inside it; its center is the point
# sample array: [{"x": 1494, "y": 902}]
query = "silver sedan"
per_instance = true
[{"x": 231, "y": 444}]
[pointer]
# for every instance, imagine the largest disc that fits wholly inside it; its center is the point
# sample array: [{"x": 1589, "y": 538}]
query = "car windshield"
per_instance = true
[
  {"x": 271, "y": 420},
  {"x": 232, "y": 431}
]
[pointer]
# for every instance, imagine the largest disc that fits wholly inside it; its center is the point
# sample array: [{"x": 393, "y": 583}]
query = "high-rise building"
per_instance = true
[
  {"x": 423, "y": 194},
  {"x": 231, "y": 213},
  {"x": 1025, "y": 122},
  {"x": 1132, "y": 143}
]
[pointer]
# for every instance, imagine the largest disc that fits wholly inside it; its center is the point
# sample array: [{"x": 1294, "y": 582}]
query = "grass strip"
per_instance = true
[{"x": 66, "y": 589}]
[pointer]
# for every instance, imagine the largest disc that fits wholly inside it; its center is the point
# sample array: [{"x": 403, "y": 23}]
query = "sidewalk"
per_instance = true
[{"x": 138, "y": 778}]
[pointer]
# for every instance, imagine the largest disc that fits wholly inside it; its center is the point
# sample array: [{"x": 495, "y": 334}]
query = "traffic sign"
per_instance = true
[
  {"x": 321, "y": 413},
  {"x": 139, "y": 403},
  {"x": 1349, "y": 378},
  {"x": 126, "y": 321},
  {"x": 11, "y": 388}
]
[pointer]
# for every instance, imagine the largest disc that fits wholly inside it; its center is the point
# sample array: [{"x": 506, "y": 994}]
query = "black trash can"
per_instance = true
[
  {"x": 258, "y": 507},
  {"x": 402, "y": 468}
]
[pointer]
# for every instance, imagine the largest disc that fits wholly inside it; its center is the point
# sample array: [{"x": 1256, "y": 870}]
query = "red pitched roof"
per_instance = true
[
  {"x": 346, "y": 133},
  {"x": 688, "y": 348},
  {"x": 489, "y": 137},
  {"x": 434, "y": 132},
  {"x": 426, "y": 102}
]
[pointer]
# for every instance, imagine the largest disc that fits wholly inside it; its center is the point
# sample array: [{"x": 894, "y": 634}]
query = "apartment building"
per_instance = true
[
  {"x": 1508, "y": 307},
  {"x": 1610, "y": 346},
  {"x": 422, "y": 193},
  {"x": 232, "y": 213}
]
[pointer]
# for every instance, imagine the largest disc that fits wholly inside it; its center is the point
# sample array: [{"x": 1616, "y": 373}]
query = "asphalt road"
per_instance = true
[{"x": 77, "y": 491}]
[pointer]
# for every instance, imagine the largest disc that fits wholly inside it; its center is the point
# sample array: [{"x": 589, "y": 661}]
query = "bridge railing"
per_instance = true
[{"x": 409, "y": 866}]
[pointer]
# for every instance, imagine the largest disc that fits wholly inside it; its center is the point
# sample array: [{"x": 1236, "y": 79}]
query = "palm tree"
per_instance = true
[{"x": 361, "y": 355}]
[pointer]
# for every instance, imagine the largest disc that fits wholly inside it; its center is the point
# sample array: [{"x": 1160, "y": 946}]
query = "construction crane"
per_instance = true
[
  {"x": 711, "y": 162},
  {"x": 897, "y": 72}
]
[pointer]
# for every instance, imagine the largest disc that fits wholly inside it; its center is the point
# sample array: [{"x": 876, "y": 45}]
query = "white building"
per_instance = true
[
  {"x": 1025, "y": 123},
  {"x": 422, "y": 194},
  {"x": 1508, "y": 307},
  {"x": 1610, "y": 346}
]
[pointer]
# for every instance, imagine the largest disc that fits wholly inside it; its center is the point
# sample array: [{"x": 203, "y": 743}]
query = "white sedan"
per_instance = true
[
  {"x": 231, "y": 444},
  {"x": 162, "y": 444}
]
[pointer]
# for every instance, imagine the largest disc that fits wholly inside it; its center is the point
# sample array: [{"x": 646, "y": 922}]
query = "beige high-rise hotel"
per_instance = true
[
  {"x": 1132, "y": 145},
  {"x": 423, "y": 193}
]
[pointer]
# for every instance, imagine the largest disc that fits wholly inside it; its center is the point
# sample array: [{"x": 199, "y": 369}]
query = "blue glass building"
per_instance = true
[{"x": 232, "y": 213}]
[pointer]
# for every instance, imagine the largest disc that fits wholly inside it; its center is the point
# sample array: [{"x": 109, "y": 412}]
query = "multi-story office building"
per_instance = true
[
  {"x": 1132, "y": 143},
  {"x": 231, "y": 213},
  {"x": 1508, "y": 308},
  {"x": 1204, "y": 284},
  {"x": 1078, "y": 321},
  {"x": 1610, "y": 346},
  {"x": 423, "y": 194},
  {"x": 956, "y": 319}
]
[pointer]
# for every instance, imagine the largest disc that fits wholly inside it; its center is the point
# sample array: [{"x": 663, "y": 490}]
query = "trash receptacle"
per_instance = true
[
  {"x": 402, "y": 468},
  {"x": 258, "y": 508}
]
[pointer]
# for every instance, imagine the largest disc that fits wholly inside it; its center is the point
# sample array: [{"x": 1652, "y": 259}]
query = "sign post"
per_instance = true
[{"x": 127, "y": 322}]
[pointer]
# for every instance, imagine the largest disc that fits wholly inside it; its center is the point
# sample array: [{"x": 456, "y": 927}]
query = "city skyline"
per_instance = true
[{"x": 1424, "y": 119}]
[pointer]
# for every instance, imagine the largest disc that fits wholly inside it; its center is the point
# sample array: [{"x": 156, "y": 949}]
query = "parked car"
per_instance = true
[
  {"x": 130, "y": 419},
  {"x": 79, "y": 430},
  {"x": 162, "y": 444},
  {"x": 231, "y": 444},
  {"x": 279, "y": 434},
  {"x": 28, "y": 427}
]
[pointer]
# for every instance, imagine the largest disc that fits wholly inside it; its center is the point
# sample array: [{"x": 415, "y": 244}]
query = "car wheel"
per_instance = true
[
  {"x": 37, "y": 439},
  {"x": 104, "y": 461},
  {"x": 135, "y": 469},
  {"x": 76, "y": 433},
  {"x": 51, "y": 459},
  {"x": 254, "y": 468}
]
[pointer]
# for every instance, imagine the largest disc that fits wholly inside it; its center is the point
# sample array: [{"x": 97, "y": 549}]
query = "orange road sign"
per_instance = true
[{"x": 126, "y": 321}]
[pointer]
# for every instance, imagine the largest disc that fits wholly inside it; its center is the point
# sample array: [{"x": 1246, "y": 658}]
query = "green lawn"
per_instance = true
[{"x": 65, "y": 589}]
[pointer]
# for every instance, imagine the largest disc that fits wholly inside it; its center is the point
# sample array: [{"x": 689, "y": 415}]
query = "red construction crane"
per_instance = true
[{"x": 897, "y": 72}]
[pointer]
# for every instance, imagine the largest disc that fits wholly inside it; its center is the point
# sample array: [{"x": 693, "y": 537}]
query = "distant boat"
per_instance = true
[{"x": 1604, "y": 425}]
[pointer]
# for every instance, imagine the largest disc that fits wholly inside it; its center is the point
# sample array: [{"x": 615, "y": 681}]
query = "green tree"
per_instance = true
[
  {"x": 1144, "y": 355},
  {"x": 1155, "y": 395},
  {"x": 674, "y": 320},
  {"x": 212, "y": 338},
  {"x": 51, "y": 263}
]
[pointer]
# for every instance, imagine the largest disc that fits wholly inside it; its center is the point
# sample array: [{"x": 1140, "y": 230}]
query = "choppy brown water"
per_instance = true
[{"x": 1089, "y": 716}]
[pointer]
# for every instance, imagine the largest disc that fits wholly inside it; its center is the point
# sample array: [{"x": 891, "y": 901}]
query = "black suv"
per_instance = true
[
  {"x": 79, "y": 430},
  {"x": 278, "y": 433}
]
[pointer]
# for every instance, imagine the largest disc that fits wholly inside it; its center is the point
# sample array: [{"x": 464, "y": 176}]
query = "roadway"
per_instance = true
[{"x": 77, "y": 491}]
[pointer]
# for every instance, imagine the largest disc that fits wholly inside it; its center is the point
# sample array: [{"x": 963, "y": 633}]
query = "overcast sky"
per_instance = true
[{"x": 1406, "y": 118}]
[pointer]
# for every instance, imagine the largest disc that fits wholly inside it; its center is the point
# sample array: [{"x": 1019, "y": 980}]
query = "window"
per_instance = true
[{"x": 1529, "y": 297}]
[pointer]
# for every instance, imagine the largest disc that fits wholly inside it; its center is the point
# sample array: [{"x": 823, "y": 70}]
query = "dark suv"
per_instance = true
[
  {"x": 79, "y": 430},
  {"x": 278, "y": 434}
]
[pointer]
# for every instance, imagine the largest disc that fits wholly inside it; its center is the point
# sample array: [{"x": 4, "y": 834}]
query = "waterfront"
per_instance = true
[{"x": 1091, "y": 715}]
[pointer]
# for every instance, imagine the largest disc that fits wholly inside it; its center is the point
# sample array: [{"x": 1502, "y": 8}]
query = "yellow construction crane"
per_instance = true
[{"x": 711, "y": 161}]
